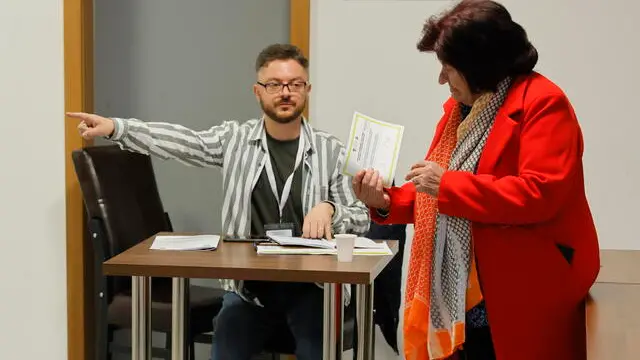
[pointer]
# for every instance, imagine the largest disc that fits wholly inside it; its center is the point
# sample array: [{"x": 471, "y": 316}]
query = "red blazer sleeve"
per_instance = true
[
  {"x": 549, "y": 159},
  {"x": 401, "y": 209}
]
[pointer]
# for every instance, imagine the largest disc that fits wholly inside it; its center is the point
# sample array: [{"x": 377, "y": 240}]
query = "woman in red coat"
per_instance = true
[{"x": 505, "y": 248}]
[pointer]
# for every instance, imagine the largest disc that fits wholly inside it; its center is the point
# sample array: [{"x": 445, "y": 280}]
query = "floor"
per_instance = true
[{"x": 382, "y": 350}]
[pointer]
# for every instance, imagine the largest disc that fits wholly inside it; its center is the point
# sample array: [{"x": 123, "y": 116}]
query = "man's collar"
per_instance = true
[
  {"x": 258, "y": 130},
  {"x": 258, "y": 133}
]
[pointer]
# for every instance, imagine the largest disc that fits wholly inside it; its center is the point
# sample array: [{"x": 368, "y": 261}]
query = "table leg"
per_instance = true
[
  {"x": 333, "y": 320},
  {"x": 178, "y": 309},
  {"x": 364, "y": 294},
  {"x": 140, "y": 318}
]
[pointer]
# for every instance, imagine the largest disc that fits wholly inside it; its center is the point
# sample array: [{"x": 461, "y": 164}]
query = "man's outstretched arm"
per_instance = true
[{"x": 164, "y": 140}]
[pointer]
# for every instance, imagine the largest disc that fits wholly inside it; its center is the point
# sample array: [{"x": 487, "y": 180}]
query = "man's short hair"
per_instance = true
[{"x": 281, "y": 52}]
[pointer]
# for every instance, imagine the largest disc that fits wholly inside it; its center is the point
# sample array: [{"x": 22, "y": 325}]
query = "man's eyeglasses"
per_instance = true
[{"x": 273, "y": 87}]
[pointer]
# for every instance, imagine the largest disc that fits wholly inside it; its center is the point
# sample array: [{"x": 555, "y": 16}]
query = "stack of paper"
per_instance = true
[
  {"x": 185, "y": 242},
  {"x": 298, "y": 241},
  {"x": 300, "y": 246}
]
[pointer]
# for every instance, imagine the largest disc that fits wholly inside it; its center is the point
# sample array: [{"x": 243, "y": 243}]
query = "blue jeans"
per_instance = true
[{"x": 242, "y": 329}]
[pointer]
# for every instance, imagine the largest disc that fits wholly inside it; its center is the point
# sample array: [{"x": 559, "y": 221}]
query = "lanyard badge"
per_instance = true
[{"x": 286, "y": 190}]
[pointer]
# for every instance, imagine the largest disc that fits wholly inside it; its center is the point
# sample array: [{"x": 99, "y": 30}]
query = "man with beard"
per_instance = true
[{"x": 279, "y": 173}]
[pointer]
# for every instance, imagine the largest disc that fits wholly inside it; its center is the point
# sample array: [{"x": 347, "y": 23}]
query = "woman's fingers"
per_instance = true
[{"x": 357, "y": 183}]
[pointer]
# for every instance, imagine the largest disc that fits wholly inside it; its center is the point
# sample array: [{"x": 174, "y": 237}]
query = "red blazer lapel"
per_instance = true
[
  {"x": 503, "y": 129},
  {"x": 506, "y": 126}
]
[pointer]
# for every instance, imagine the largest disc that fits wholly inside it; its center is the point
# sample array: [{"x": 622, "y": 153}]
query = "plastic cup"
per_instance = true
[{"x": 345, "y": 244}]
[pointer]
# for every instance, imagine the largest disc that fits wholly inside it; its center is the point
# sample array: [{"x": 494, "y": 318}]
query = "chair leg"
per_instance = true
[
  {"x": 107, "y": 349},
  {"x": 167, "y": 345},
  {"x": 192, "y": 350}
]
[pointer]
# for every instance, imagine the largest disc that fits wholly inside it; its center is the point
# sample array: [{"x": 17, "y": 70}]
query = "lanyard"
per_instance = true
[{"x": 286, "y": 190}]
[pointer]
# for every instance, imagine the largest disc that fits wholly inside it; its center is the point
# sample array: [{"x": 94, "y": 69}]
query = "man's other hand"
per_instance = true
[{"x": 317, "y": 223}]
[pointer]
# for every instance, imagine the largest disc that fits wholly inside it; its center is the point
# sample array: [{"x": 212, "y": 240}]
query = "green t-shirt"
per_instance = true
[{"x": 264, "y": 206}]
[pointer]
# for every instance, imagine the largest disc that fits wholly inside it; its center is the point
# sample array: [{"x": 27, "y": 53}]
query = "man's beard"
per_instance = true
[{"x": 272, "y": 114}]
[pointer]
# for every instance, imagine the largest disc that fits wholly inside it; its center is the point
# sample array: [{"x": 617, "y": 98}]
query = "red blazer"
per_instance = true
[{"x": 535, "y": 241}]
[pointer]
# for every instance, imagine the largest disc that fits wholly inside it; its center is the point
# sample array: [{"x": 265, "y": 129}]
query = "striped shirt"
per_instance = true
[{"x": 240, "y": 149}]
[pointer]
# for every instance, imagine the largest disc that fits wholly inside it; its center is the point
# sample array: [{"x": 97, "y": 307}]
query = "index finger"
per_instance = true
[
  {"x": 305, "y": 228},
  {"x": 327, "y": 231},
  {"x": 357, "y": 182},
  {"x": 379, "y": 185},
  {"x": 419, "y": 165},
  {"x": 76, "y": 114},
  {"x": 80, "y": 115},
  {"x": 411, "y": 174}
]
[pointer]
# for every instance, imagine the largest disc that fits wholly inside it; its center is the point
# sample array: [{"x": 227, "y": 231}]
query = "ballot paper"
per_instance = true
[
  {"x": 373, "y": 144},
  {"x": 185, "y": 242}
]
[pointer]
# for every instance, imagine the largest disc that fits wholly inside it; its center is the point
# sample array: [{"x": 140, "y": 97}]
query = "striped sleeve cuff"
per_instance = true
[
  {"x": 119, "y": 129},
  {"x": 337, "y": 210}
]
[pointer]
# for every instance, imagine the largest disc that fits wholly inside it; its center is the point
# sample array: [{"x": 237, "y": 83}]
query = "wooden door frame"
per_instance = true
[
  {"x": 78, "y": 83},
  {"x": 78, "y": 75}
]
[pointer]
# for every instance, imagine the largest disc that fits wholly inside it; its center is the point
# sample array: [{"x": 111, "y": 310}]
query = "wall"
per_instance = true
[
  {"x": 364, "y": 59},
  {"x": 189, "y": 63},
  {"x": 32, "y": 198}
]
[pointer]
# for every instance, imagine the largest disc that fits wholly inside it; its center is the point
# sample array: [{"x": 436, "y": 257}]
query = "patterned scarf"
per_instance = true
[{"x": 442, "y": 281}]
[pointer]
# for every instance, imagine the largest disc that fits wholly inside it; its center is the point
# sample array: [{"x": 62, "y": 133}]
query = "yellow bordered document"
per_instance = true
[{"x": 373, "y": 144}]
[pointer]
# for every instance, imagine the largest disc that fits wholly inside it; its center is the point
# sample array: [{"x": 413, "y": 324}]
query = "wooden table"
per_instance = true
[
  {"x": 240, "y": 261},
  {"x": 613, "y": 308},
  {"x": 619, "y": 267}
]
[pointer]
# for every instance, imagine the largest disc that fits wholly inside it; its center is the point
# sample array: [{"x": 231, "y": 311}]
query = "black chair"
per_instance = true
[{"x": 124, "y": 207}]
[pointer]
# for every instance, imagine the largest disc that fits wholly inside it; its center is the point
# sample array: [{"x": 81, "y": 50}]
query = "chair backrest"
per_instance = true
[{"x": 120, "y": 193}]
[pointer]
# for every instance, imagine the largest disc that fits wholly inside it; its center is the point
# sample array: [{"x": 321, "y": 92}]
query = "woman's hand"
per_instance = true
[
  {"x": 367, "y": 185},
  {"x": 426, "y": 176}
]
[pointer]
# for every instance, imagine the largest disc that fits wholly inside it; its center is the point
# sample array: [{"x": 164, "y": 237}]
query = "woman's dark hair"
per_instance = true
[{"x": 479, "y": 39}]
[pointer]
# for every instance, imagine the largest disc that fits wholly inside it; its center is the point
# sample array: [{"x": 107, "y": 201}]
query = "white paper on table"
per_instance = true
[
  {"x": 373, "y": 144},
  {"x": 360, "y": 242},
  {"x": 383, "y": 249},
  {"x": 366, "y": 243},
  {"x": 185, "y": 242}
]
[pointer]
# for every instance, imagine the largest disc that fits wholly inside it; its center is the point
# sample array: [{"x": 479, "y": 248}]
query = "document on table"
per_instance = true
[
  {"x": 185, "y": 242},
  {"x": 302, "y": 246},
  {"x": 360, "y": 242},
  {"x": 298, "y": 241},
  {"x": 264, "y": 249},
  {"x": 373, "y": 144}
]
